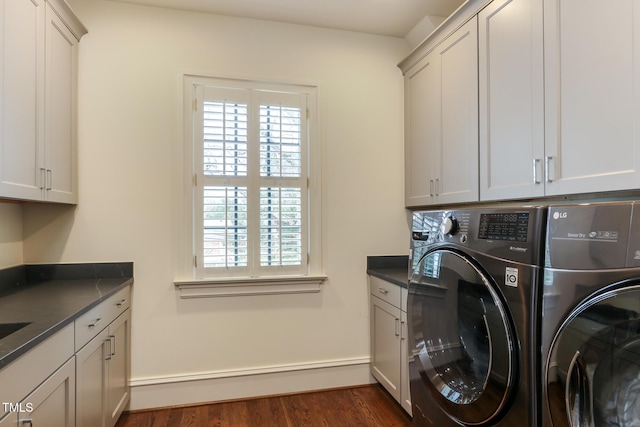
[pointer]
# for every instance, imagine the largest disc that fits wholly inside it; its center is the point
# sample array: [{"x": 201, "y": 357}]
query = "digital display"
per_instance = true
[{"x": 504, "y": 226}]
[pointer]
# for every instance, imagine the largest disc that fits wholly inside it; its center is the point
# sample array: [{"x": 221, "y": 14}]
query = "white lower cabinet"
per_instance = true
[
  {"x": 385, "y": 345},
  {"x": 52, "y": 404},
  {"x": 102, "y": 369},
  {"x": 102, "y": 375},
  {"x": 118, "y": 366},
  {"x": 91, "y": 381},
  {"x": 405, "y": 389},
  {"x": 388, "y": 332},
  {"x": 39, "y": 388},
  {"x": 78, "y": 377}
]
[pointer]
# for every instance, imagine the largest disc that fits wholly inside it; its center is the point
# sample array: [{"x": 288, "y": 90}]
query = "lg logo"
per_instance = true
[{"x": 560, "y": 215}]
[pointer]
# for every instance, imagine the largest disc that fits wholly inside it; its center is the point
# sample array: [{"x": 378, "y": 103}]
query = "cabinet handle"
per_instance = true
[
  {"x": 95, "y": 322},
  {"x": 27, "y": 421},
  {"x": 112, "y": 338},
  {"x": 397, "y": 327},
  {"x": 437, "y": 186},
  {"x": 108, "y": 350},
  {"x": 383, "y": 291},
  {"x": 402, "y": 330},
  {"x": 121, "y": 302},
  {"x": 49, "y": 179},
  {"x": 43, "y": 178},
  {"x": 431, "y": 193},
  {"x": 536, "y": 164},
  {"x": 547, "y": 175}
]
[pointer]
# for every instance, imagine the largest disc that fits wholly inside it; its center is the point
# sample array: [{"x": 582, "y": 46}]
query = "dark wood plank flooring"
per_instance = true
[{"x": 365, "y": 406}]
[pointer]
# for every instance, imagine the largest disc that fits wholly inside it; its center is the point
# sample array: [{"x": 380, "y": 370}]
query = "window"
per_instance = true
[{"x": 255, "y": 178}]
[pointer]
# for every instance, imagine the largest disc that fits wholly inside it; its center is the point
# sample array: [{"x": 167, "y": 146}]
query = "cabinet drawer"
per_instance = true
[
  {"x": 93, "y": 321},
  {"x": 384, "y": 290}
]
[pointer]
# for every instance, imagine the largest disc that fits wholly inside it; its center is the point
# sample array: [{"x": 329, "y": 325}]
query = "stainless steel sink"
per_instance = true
[{"x": 7, "y": 329}]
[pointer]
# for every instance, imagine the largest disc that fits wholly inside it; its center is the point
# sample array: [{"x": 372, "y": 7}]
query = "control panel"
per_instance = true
[
  {"x": 504, "y": 226},
  {"x": 504, "y": 232}
]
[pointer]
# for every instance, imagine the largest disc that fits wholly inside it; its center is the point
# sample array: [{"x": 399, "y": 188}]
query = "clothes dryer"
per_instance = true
[
  {"x": 472, "y": 304},
  {"x": 591, "y": 316}
]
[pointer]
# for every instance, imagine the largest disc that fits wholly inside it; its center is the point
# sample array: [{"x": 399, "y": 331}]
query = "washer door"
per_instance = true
[
  {"x": 461, "y": 337},
  {"x": 593, "y": 377}
]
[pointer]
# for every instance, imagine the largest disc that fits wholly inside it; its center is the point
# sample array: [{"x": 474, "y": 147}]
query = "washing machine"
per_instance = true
[
  {"x": 590, "y": 336},
  {"x": 473, "y": 296}
]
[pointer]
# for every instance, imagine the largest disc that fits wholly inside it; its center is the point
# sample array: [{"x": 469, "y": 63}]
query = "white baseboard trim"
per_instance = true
[{"x": 218, "y": 386}]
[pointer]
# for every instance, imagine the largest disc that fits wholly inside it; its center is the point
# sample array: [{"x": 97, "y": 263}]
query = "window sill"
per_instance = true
[{"x": 248, "y": 286}]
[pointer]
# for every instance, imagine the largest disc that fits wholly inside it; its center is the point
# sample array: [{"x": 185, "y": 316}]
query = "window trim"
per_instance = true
[
  {"x": 249, "y": 286},
  {"x": 186, "y": 278}
]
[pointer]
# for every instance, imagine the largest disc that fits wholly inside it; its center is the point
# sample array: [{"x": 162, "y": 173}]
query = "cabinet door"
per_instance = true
[
  {"x": 91, "y": 381},
  {"x": 511, "y": 88},
  {"x": 52, "y": 404},
  {"x": 21, "y": 94},
  {"x": 60, "y": 125},
  {"x": 592, "y": 95},
  {"x": 385, "y": 345},
  {"x": 423, "y": 133},
  {"x": 441, "y": 100},
  {"x": 405, "y": 392},
  {"x": 118, "y": 366},
  {"x": 458, "y": 177}
]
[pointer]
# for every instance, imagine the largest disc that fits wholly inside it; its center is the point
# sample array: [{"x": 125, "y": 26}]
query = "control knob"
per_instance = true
[{"x": 449, "y": 226}]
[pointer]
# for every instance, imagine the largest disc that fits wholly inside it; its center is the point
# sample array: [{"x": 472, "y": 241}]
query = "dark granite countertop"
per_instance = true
[
  {"x": 50, "y": 297},
  {"x": 392, "y": 268}
]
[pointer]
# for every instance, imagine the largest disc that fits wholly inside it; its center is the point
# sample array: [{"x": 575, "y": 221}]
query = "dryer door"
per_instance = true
[
  {"x": 593, "y": 374},
  {"x": 461, "y": 337}
]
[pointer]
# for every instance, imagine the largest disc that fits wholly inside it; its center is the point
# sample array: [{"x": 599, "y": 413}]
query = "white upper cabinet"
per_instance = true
[
  {"x": 441, "y": 122},
  {"x": 60, "y": 107},
  {"x": 422, "y": 130},
  {"x": 592, "y": 95},
  {"x": 511, "y": 106},
  {"x": 21, "y": 89},
  {"x": 38, "y": 60},
  {"x": 558, "y": 107}
]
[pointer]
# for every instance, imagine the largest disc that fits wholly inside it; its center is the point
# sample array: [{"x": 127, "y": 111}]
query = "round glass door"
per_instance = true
[
  {"x": 461, "y": 338},
  {"x": 594, "y": 379}
]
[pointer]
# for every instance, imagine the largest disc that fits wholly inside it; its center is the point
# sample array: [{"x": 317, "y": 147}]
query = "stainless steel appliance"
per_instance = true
[
  {"x": 473, "y": 298},
  {"x": 591, "y": 316}
]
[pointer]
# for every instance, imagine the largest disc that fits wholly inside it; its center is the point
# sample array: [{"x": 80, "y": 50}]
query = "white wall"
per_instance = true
[
  {"x": 130, "y": 170},
  {"x": 10, "y": 235},
  {"x": 423, "y": 29}
]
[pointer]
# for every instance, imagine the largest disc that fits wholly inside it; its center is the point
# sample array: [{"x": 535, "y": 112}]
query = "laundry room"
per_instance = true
[{"x": 230, "y": 201}]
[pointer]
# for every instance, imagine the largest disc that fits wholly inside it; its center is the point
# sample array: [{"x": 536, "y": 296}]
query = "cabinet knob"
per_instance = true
[{"x": 383, "y": 291}]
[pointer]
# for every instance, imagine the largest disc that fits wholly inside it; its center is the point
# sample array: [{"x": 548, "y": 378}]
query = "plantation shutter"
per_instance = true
[{"x": 251, "y": 184}]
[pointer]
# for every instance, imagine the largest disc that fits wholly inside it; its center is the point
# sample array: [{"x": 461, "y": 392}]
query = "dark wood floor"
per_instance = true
[{"x": 364, "y": 406}]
